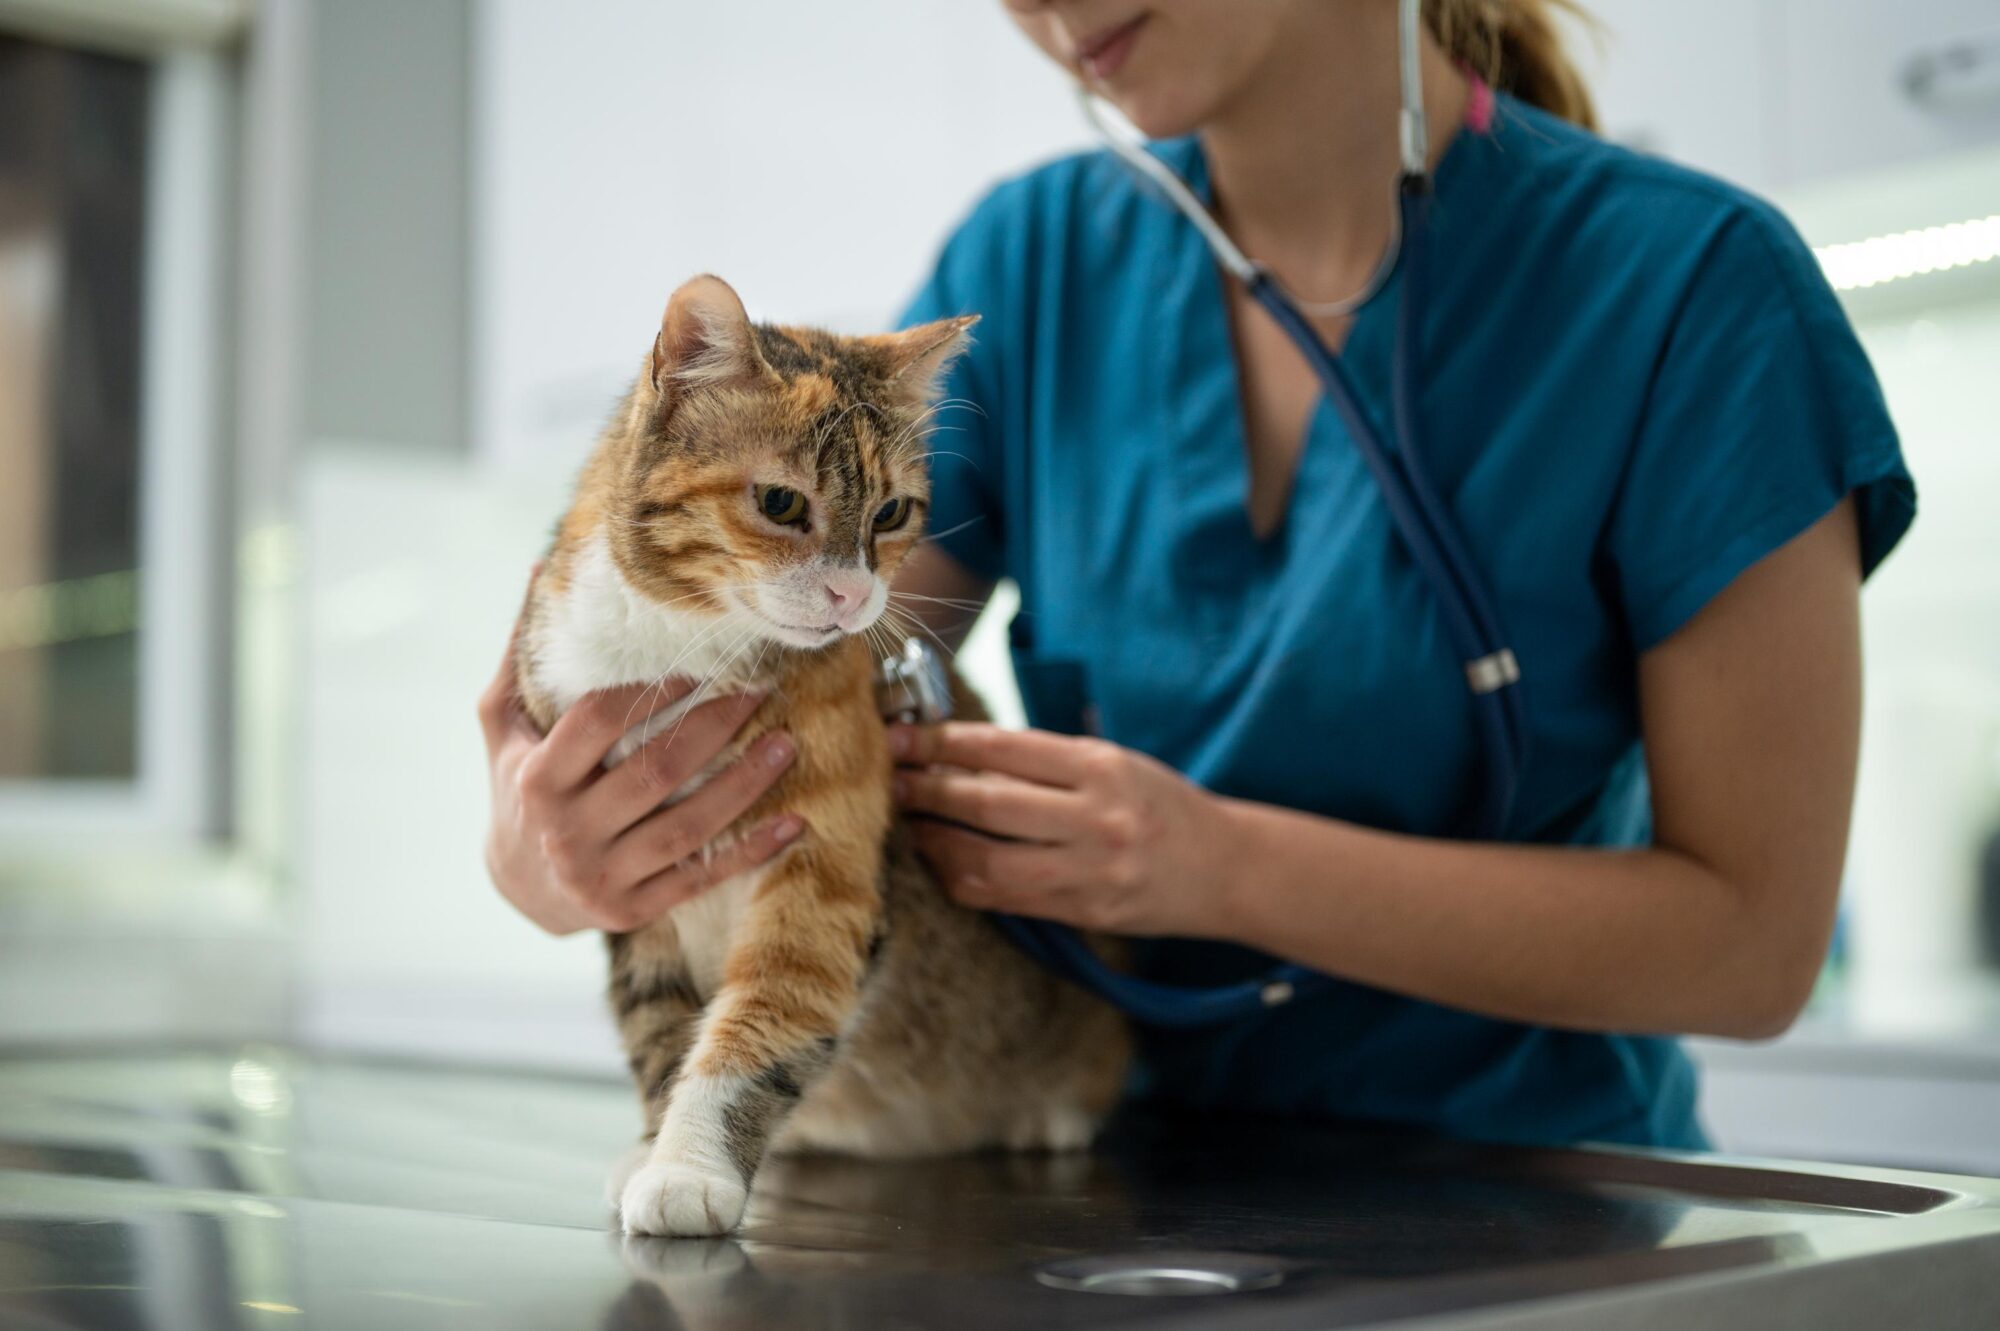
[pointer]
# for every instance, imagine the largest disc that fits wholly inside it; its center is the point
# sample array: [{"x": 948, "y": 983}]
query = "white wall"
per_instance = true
[
  {"x": 813, "y": 154},
  {"x": 1775, "y": 94}
]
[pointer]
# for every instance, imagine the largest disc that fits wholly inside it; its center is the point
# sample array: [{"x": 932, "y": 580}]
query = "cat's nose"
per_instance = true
[{"x": 845, "y": 591}]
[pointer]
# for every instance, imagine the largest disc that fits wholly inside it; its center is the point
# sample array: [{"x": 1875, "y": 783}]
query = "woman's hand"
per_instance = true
[
  {"x": 1076, "y": 830},
  {"x": 573, "y": 846}
]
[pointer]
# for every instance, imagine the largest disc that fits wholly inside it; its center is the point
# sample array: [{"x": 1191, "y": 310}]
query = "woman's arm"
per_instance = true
[{"x": 1751, "y": 718}]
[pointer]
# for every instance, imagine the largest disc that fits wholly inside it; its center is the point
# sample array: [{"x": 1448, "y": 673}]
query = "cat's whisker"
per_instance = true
[
  {"x": 875, "y": 636},
  {"x": 965, "y": 402},
  {"x": 915, "y": 424},
  {"x": 962, "y": 619},
  {"x": 713, "y": 680},
  {"x": 657, "y": 689},
  {"x": 948, "y": 453},
  {"x": 827, "y": 429},
  {"x": 953, "y": 602},
  {"x": 757, "y": 666},
  {"x": 924, "y": 417},
  {"x": 950, "y": 531},
  {"x": 908, "y": 621}
]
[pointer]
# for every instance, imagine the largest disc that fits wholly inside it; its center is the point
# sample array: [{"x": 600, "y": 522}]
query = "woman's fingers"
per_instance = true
[
  {"x": 998, "y": 875},
  {"x": 1033, "y": 755},
  {"x": 670, "y": 887},
  {"x": 665, "y": 838},
  {"x": 500, "y": 704},
  {"x": 999, "y": 805},
  {"x": 980, "y": 873},
  {"x": 508, "y": 729},
  {"x": 578, "y": 742},
  {"x": 663, "y": 764}
]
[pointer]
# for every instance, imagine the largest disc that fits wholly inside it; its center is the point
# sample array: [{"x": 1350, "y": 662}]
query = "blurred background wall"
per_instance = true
[{"x": 308, "y": 311}]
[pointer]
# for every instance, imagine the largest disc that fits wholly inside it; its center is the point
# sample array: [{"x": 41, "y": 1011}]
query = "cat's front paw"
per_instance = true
[{"x": 680, "y": 1201}]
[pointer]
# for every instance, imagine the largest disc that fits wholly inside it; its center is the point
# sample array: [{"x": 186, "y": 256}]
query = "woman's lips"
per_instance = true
[{"x": 1104, "y": 52}]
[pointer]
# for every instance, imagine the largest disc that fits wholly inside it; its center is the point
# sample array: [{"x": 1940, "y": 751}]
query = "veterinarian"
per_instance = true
[{"x": 1654, "y": 431}]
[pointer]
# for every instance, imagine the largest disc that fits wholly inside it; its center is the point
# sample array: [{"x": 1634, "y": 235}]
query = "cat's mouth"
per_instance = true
[{"x": 800, "y": 635}]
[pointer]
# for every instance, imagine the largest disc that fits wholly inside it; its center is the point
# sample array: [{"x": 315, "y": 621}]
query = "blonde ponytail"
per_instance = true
[{"x": 1516, "y": 47}]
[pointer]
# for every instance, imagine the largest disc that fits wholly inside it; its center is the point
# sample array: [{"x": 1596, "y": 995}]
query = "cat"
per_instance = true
[{"x": 739, "y": 522}]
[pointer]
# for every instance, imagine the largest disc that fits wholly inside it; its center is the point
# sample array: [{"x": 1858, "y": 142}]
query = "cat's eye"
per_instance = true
[
  {"x": 785, "y": 507},
  {"x": 892, "y": 515}
]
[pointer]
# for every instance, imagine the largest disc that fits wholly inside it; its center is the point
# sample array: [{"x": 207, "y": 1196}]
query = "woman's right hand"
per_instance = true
[{"x": 574, "y": 846}]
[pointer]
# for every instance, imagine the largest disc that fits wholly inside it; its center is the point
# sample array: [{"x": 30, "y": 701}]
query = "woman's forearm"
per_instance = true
[
  {"x": 1619, "y": 940},
  {"x": 1751, "y": 719}
]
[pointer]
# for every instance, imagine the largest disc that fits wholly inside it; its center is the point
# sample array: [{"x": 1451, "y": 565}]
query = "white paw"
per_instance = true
[
  {"x": 1052, "y": 1127},
  {"x": 680, "y": 1201},
  {"x": 621, "y": 1173}
]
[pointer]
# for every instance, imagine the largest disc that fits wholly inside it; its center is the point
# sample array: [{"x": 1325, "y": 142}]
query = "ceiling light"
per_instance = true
[{"x": 1934, "y": 249}]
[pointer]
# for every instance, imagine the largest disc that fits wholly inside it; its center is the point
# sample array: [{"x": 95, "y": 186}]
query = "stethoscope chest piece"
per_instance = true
[{"x": 914, "y": 686}]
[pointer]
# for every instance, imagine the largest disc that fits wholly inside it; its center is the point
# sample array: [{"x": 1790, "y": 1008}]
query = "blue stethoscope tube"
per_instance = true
[
  {"x": 1471, "y": 621},
  {"x": 1421, "y": 519}
]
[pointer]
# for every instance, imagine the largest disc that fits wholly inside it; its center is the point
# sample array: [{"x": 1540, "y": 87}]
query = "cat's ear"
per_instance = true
[
  {"x": 916, "y": 358},
  {"x": 705, "y": 338}
]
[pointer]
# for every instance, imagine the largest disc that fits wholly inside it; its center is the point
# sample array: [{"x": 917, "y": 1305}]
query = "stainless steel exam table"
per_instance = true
[{"x": 265, "y": 1187}]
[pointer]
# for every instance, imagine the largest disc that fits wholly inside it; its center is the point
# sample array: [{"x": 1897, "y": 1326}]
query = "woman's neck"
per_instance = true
[{"x": 1304, "y": 162}]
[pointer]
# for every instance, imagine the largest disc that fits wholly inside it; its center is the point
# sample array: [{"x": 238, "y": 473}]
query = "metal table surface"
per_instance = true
[{"x": 254, "y": 1187}]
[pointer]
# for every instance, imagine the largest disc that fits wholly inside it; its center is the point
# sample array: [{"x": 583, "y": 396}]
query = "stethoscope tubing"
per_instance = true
[
  {"x": 1415, "y": 509},
  {"x": 1470, "y": 616},
  {"x": 1470, "y": 619}
]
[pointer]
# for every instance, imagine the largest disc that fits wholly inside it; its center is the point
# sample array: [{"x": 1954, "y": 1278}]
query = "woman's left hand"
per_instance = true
[{"x": 1076, "y": 830}]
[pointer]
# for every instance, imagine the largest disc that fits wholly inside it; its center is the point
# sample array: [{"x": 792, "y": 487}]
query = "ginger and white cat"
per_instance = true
[{"x": 739, "y": 523}]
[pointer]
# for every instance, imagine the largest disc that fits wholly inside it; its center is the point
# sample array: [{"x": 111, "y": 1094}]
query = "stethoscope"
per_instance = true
[{"x": 1492, "y": 674}]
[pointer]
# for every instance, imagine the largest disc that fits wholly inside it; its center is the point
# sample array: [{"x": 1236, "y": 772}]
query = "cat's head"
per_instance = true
[{"x": 775, "y": 476}]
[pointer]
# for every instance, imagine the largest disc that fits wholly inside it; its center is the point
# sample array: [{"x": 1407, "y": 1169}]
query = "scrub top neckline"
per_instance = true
[
  {"x": 1485, "y": 112},
  {"x": 1200, "y": 399}
]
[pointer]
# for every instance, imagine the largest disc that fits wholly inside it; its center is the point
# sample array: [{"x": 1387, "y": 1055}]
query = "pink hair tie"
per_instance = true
[{"x": 1478, "y": 105}]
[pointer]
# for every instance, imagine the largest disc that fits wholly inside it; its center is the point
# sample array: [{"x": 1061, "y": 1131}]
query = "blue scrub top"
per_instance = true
[{"x": 1637, "y": 383}]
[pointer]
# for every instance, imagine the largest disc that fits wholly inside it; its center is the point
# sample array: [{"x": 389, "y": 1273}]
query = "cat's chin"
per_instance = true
[{"x": 797, "y": 635}]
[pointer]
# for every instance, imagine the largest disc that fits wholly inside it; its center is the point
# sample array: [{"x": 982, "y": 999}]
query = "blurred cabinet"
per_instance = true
[{"x": 1773, "y": 93}]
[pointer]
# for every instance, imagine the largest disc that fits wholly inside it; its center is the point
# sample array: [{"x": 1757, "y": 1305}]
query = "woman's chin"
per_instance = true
[{"x": 1163, "y": 115}]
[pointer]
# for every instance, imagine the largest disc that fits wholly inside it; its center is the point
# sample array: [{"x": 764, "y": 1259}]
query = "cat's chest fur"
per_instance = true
[{"x": 598, "y": 633}]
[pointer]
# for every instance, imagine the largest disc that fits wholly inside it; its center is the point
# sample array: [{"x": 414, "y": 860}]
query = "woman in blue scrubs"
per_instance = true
[
  {"x": 1656, "y": 430},
  {"x": 1648, "y": 417}
]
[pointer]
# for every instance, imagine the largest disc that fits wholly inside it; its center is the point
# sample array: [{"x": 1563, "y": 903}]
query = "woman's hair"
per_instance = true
[{"x": 1516, "y": 47}]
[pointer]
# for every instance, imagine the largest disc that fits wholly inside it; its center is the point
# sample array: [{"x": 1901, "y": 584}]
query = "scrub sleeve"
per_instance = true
[{"x": 1763, "y": 416}]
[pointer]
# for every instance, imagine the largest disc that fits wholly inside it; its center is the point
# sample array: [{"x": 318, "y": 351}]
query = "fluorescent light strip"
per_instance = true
[{"x": 1934, "y": 249}]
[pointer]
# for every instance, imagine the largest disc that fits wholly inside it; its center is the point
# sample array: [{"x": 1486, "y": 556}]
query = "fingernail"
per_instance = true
[
  {"x": 899, "y": 742},
  {"x": 757, "y": 695},
  {"x": 788, "y": 828},
  {"x": 778, "y": 750}
]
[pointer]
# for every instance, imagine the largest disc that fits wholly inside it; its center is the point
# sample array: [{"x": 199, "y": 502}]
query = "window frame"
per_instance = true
[{"x": 179, "y": 789}]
